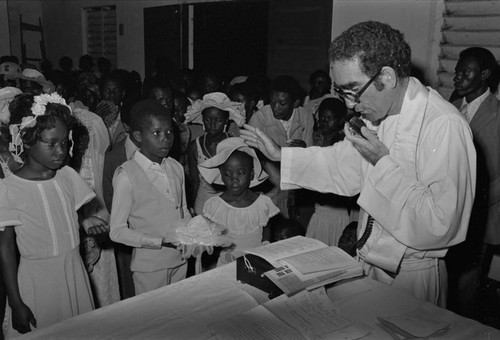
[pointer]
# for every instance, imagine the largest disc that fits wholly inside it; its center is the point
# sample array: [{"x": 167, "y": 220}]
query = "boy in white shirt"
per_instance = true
[{"x": 149, "y": 198}]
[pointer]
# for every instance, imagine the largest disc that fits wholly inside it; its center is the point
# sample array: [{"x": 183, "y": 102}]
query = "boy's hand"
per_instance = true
[
  {"x": 94, "y": 225},
  {"x": 22, "y": 317},
  {"x": 167, "y": 242}
]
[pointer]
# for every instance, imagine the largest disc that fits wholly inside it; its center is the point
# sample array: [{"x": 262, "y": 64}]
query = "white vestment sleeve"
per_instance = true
[{"x": 336, "y": 169}]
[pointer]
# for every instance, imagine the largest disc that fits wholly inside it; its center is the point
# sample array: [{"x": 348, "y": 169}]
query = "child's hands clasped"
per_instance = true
[
  {"x": 94, "y": 225},
  {"x": 22, "y": 317}
]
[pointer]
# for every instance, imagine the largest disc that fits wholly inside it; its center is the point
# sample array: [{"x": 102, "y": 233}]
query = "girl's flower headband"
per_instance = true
[{"x": 37, "y": 109}]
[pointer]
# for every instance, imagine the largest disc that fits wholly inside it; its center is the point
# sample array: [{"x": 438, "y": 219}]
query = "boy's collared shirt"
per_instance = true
[
  {"x": 287, "y": 124},
  {"x": 130, "y": 148},
  {"x": 159, "y": 176}
]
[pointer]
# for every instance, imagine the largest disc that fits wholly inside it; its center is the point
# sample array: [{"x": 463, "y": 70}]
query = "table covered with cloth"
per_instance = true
[{"x": 184, "y": 310}]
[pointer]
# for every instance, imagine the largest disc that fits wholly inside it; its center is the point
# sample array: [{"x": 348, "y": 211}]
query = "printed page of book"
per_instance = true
[
  {"x": 273, "y": 252},
  {"x": 323, "y": 280},
  {"x": 257, "y": 323},
  {"x": 320, "y": 260},
  {"x": 315, "y": 316},
  {"x": 291, "y": 281}
]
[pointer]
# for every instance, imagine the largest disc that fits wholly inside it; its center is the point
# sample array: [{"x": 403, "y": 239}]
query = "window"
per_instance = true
[{"x": 101, "y": 33}]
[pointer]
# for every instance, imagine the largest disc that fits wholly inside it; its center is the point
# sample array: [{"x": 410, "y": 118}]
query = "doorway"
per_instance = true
[
  {"x": 165, "y": 39},
  {"x": 228, "y": 37}
]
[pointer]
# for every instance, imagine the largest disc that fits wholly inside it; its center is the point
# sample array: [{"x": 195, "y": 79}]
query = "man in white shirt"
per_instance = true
[{"x": 413, "y": 166}]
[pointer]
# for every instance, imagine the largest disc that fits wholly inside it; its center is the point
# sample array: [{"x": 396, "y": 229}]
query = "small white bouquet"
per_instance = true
[{"x": 198, "y": 235}]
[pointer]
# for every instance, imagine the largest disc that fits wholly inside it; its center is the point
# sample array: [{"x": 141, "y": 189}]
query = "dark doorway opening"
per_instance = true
[
  {"x": 228, "y": 37},
  {"x": 165, "y": 39},
  {"x": 231, "y": 37}
]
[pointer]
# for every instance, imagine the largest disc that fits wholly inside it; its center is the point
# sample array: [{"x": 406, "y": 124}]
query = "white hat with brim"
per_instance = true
[
  {"x": 209, "y": 169},
  {"x": 7, "y": 95},
  {"x": 219, "y": 100},
  {"x": 35, "y": 76}
]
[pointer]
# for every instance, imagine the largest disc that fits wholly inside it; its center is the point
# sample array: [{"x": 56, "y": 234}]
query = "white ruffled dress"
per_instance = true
[{"x": 244, "y": 225}]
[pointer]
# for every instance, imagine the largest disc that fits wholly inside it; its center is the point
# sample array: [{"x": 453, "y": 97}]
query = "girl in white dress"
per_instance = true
[
  {"x": 8, "y": 164},
  {"x": 39, "y": 207},
  {"x": 216, "y": 112},
  {"x": 243, "y": 212}
]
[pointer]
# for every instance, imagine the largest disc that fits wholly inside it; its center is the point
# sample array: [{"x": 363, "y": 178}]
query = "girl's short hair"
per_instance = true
[{"x": 20, "y": 107}]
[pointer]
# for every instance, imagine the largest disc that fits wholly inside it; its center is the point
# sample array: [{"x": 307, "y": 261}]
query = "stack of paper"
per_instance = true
[
  {"x": 304, "y": 263},
  {"x": 414, "y": 324},
  {"x": 306, "y": 316}
]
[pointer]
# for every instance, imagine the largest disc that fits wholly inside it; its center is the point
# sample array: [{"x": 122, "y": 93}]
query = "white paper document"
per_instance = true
[
  {"x": 309, "y": 315},
  {"x": 309, "y": 312},
  {"x": 291, "y": 281},
  {"x": 320, "y": 260},
  {"x": 347, "y": 288},
  {"x": 257, "y": 323},
  {"x": 418, "y": 323}
]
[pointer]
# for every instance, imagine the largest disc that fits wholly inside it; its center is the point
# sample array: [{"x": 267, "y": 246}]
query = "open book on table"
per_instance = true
[
  {"x": 305, "y": 263},
  {"x": 306, "y": 316}
]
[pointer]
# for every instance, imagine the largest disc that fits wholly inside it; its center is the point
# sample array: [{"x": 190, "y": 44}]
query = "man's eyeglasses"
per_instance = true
[{"x": 354, "y": 97}]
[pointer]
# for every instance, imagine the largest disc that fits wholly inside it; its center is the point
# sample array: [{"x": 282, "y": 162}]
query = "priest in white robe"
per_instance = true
[{"x": 414, "y": 165}]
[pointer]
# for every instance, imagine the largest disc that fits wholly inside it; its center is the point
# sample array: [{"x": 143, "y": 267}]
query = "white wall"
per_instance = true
[{"x": 419, "y": 20}]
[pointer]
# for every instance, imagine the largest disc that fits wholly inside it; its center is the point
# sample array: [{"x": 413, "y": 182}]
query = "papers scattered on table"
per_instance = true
[
  {"x": 304, "y": 263},
  {"x": 418, "y": 323},
  {"x": 257, "y": 323},
  {"x": 308, "y": 315}
]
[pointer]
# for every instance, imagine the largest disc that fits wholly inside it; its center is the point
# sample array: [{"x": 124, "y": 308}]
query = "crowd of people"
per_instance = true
[{"x": 98, "y": 167}]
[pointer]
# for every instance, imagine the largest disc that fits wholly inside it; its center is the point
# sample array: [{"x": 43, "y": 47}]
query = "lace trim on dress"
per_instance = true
[{"x": 240, "y": 221}]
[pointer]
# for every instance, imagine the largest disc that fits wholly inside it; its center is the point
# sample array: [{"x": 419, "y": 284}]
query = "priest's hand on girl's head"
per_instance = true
[{"x": 259, "y": 140}]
